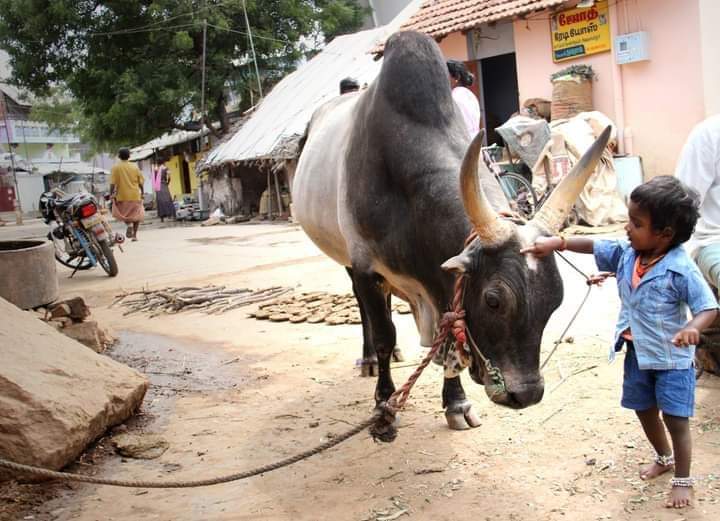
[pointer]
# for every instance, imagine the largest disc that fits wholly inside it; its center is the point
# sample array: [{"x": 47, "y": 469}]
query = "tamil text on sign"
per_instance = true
[{"x": 580, "y": 32}]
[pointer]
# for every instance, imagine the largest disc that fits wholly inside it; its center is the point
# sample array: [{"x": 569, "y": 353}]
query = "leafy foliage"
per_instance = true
[{"x": 134, "y": 67}]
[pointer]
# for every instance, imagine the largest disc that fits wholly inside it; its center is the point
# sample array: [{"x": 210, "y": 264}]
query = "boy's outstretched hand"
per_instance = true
[
  {"x": 599, "y": 278},
  {"x": 688, "y": 336},
  {"x": 543, "y": 246}
]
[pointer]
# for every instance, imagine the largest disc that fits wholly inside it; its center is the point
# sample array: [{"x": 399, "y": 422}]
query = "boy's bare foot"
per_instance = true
[
  {"x": 654, "y": 470},
  {"x": 679, "y": 497}
]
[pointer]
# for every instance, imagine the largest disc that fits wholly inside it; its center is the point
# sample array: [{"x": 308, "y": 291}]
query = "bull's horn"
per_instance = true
[
  {"x": 555, "y": 211},
  {"x": 486, "y": 221}
]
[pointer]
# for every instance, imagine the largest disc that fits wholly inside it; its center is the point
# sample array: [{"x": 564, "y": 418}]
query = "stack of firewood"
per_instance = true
[{"x": 210, "y": 299}]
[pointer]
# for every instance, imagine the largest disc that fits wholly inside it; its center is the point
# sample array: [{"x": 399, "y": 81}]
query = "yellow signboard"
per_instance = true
[{"x": 580, "y": 32}]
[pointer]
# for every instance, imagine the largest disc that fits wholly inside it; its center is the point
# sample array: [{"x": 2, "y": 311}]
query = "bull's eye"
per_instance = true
[{"x": 492, "y": 300}]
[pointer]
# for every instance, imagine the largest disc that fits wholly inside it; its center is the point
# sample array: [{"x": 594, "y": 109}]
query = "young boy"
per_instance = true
[{"x": 657, "y": 282}]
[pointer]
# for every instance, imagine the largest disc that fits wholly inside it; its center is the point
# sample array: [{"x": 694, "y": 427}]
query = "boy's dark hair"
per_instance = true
[
  {"x": 457, "y": 70},
  {"x": 671, "y": 204},
  {"x": 124, "y": 153},
  {"x": 349, "y": 85}
]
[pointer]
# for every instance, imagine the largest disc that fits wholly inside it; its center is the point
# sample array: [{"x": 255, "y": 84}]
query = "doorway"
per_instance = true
[
  {"x": 500, "y": 93},
  {"x": 185, "y": 177}
]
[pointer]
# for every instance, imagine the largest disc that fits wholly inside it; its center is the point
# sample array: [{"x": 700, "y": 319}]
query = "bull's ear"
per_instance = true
[{"x": 457, "y": 264}]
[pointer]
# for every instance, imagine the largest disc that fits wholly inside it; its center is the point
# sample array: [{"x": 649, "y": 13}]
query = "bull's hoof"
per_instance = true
[
  {"x": 369, "y": 367},
  {"x": 397, "y": 355},
  {"x": 461, "y": 416},
  {"x": 385, "y": 427}
]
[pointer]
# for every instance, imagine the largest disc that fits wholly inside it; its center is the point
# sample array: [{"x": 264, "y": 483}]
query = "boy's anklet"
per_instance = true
[
  {"x": 664, "y": 460},
  {"x": 682, "y": 482}
]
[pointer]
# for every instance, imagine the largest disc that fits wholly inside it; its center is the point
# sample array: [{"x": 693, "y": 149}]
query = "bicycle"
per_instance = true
[{"x": 518, "y": 191}]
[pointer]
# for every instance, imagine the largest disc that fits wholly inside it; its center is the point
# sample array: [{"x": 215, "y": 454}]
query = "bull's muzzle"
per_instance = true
[
  {"x": 520, "y": 389},
  {"x": 518, "y": 395}
]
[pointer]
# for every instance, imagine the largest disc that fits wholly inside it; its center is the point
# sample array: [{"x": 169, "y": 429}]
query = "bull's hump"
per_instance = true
[{"x": 414, "y": 79}]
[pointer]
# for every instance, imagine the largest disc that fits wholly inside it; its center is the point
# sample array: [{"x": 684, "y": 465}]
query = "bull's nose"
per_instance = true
[{"x": 521, "y": 396}]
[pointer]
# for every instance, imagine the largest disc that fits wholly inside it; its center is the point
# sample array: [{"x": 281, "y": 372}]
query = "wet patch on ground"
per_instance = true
[{"x": 175, "y": 368}]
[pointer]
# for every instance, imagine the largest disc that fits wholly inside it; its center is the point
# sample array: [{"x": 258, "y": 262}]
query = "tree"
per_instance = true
[{"x": 133, "y": 68}]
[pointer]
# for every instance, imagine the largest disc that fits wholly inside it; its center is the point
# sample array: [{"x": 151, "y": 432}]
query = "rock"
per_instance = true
[
  {"x": 56, "y": 395},
  {"x": 107, "y": 339},
  {"x": 75, "y": 308},
  {"x": 87, "y": 333},
  {"x": 57, "y": 325},
  {"x": 140, "y": 446},
  {"x": 62, "y": 321},
  {"x": 60, "y": 310}
]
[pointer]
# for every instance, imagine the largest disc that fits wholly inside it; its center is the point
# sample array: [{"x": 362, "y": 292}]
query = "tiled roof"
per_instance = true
[{"x": 438, "y": 18}]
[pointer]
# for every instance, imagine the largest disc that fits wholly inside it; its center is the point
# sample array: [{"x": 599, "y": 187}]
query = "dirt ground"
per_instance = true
[{"x": 231, "y": 393}]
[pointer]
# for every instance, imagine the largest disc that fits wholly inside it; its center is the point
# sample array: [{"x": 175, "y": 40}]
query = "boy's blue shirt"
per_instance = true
[{"x": 657, "y": 309}]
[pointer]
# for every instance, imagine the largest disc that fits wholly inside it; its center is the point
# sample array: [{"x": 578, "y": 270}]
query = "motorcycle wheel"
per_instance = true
[
  {"x": 106, "y": 258},
  {"x": 74, "y": 262}
]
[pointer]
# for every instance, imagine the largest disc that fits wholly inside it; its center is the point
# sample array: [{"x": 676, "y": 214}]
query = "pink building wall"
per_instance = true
[
  {"x": 454, "y": 47},
  {"x": 660, "y": 99}
]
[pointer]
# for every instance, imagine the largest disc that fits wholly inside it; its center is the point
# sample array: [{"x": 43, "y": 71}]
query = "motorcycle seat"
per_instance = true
[{"x": 64, "y": 202}]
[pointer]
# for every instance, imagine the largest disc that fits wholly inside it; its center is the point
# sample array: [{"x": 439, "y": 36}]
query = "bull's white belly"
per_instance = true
[{"x": 317, "y": 180}]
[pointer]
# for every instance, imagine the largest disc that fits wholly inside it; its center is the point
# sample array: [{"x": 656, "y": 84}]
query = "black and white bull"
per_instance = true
[{"x": 376, "y": 188}]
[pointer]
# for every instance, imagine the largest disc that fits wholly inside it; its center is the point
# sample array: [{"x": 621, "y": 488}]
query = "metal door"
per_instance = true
[{"x": 7, "y": 198}]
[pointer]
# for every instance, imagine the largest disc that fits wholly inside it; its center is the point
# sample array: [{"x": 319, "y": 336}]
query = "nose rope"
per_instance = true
[
  {"x": 463, "y": 337},
  {"x": 590, "y": 281}
]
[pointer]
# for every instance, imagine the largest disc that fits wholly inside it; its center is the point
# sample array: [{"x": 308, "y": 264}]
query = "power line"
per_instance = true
[
  {"x": 158, "y": 22},
  {"x": 244, "y": 33},
  {"x": 137, "y": 31}
]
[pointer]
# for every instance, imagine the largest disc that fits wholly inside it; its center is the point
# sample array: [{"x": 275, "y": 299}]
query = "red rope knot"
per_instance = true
[{"x": 454, "y": 321}]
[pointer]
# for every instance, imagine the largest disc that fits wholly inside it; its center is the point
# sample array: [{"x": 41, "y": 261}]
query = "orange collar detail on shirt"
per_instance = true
[{"x": 640, "y": 271}]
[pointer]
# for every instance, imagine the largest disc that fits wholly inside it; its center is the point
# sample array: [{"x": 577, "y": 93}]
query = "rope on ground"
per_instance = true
[
  {"x": 67, "y": 476},
  {"x": 380, "y": 423}
]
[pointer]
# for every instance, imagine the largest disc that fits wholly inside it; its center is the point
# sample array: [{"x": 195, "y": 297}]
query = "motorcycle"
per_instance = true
[{"x": 80, "y": 233}]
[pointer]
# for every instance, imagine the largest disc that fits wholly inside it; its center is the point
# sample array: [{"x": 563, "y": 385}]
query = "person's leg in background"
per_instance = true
[{"x": 708, "y": 260}]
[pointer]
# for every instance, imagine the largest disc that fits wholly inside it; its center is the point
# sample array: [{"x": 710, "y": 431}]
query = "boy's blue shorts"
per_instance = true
[{"x": 672, "y": 391}]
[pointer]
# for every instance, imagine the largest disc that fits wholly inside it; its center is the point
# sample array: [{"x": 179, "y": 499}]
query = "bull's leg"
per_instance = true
[
  {"x": 459, "y": 412},
  {"x": 369, "y": 288},
  {"x": 369, "y": 362},
  {"x": 397, "y": 355}
]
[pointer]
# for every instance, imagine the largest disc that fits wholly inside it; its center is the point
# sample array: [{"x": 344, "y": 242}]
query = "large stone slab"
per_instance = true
[{"x": 56, "y": 395}]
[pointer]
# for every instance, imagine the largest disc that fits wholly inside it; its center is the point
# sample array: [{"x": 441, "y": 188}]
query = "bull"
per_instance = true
[{"x": 376, "y": 188}]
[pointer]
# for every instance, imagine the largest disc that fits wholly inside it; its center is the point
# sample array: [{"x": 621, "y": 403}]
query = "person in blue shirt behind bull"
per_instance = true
[{"x": 657, "y": 282}]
